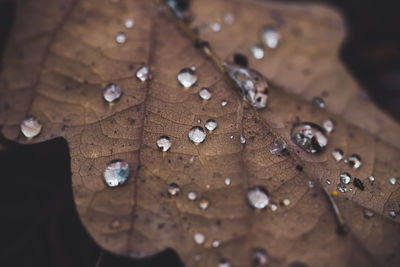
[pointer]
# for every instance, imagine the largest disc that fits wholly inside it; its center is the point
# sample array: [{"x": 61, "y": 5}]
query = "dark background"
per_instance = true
[{"x": 39, "y": 223}]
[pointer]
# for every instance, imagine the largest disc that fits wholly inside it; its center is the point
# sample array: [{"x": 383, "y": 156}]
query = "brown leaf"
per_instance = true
[{"x": 63, "y": 53}]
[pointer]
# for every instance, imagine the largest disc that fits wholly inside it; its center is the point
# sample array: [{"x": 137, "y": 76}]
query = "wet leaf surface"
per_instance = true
[{"x": 61, "y": 56}]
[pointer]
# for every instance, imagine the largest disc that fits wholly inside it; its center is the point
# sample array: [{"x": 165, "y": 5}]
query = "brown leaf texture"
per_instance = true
[{"x": 63, "y": 53}]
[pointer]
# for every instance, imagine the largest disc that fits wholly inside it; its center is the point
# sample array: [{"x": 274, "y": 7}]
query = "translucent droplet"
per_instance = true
[
  {"x": 129, "y": 23},
  {"x": 257, "y": 51},
  {"x": 229, "y": 18},
  {"x": 216, "y": 27},
  {"x": 121, "y": 38},
  {"x": 211, "y": 125},
  {"x": 345, "y": 178},
  {"x": 116, "y": 173},
  {"x": 329, "y": 125},
  {"x": 337, "y": 154},
  {"x": 259, "y": 258},
  {"x": 310, "y": 184},
  {"x": 224, "y": 263},
  {"x": 252, "y": 84},
  {"x": 273, "y": 207},
  {"x": 341, "y": 188},
  {"x": 286, "y": 202},
  {"x": 258, "y": 197},
  {"x": 242, "y": 139},
  {"x": 371, "y": 179},
  {"x": 30, "y": 127},
  {"x": 173, "y": 189},
  {"x": 112, "y": 92},
  {"x": 392, "y": 214},
  {"x": 354, "y": 161},
  {"x": 187, "y": 77},
  {"x": 198, "y": 121},
  {"x": 143, "y": 73},
  {"x": 224, "y": 103},
  {"x": 393, "y": 180},
  {"x": 199, "y": 238},
  {"x": 231, "y": 137},
  {"x": 319, "y": 102},
  {"x": 368, "y": 213},
  {"x": 227, "y": 181},
  {"x": 309, "y": 136},
  {"x": 216, "y": 243},
  {"x": 164, "y": 143},
  {"x": 270, "y": 37},
  {"x": 192, "y": 158},
  {"x": 327, "y": 181},
  {"x": 197, "y": 135},
  {"x": 205, "y": 94},
  {"x": 278, "y": 147},
  {"x": 192, "y": 196},
  {"x": 203, "y": 204},
  {"x": 115, "y": 224}
]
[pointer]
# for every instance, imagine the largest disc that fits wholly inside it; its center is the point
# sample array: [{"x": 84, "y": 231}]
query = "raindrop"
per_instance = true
[
  {"x": 393, "y": 214},
  {"x": 354, "y": 161},
  {"x": 231, "y": 137},
  {"x": 121, "y": 38},
  {"x": 224, "y": 263},
  {"x": 286, "y": 202},
  {"x": 216, "y": 27},
  {"x": 198, "y": 121},
  {"x": 143, "y": 73},
  {"x": 112, "y": 92},
  {"x": 371, "y": 179},
  {"x": 273, "y": 207},
  {"x": 279, "y": 147},
  {"x": 310, "y": 184},
  {"x": 252, "y": 84},
  {"x": 192, "y": 196},
  {"x": 227, "y": 181},
  {"x": 328, "y": 125},
  {"x": 337, "y": 154},
  {"x": 270, "y": 37},
  {"x": 319, "y": 102},
  {"x": 345, "y": 178},
  {"x": 187, "y": 77},
  {"x": 115, "y": 224},
  {"x": 197, "y": 135},
  {"x": 224, "y": 103},
  {"x": 164, "y": 143},
  {"x": 327, "y": 181},
  {"x": 211, "y": 125},
  {"x": 257, "y": 51},
  {"x": 368, "y": 213},
  {"x": 341, "y": 188},
  {"x": 129, "y": 23},
  {"x": 242, "y": 139},
  {"x": 192, "y": 158},
  {"x": 199, "y": 238},
  {"x": 116, "y": 173},
  {"x": 205, "y": 94},
  {"x": 259, "y": 258},
  {"x": 393, "y": 180},
  {"x": 229, "y": 18},
  {"x": 203, "y": 204},
  {"x": 30, "y": 127},
  {"x": 173, "y": 189},
  {"x": 258, "y": 197},
  {"x": 216, "y": 243},
  {"x": 309, "y": 136}
]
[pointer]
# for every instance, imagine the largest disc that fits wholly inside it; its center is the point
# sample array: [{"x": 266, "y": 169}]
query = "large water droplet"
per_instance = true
[
  {"x": 112, "y": 92},
  {"x": 257, "y": 51},
  {"x": 30, "y": 127},
  {"x": 129, "y": 23},
  {"x": 197, "y": 135},
  {"x": 258, "y": 197},
  {"x": 253, "y": 85},
  {"x": 329, "y": 125},
  {"x": 270, "y": 37},
  {"x": 164, "y": 143},
  {"x": 121, "y": 38},
  {"x": 199, "y": 238},
  {"x": 259, "y": 258},
  {"x": 309, "y": 136},
  {"x": 319, "y": 102},
  {"x": 354, "y": 161},
  {"x": 211, "y": 125},
  {"x": 116, "y": 173},
  {"x": 205, "y": 94},
  {"x": 345, "y": 178},
  {"x": 337, "y": 154},
  {"x": 143, "y": 73},
  {"x": 187, "y": 77},
  {"x": 173, "y": 189}
]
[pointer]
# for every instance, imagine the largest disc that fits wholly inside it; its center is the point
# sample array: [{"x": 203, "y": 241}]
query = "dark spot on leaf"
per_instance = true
[
  {"x": 240, "y": 59},
  {"x": 299, "y": 168},
  {"x": 357, "y": 183}
]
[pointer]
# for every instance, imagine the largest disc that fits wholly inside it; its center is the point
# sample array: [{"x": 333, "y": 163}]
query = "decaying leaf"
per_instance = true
[{"x": 61, "y": 56}]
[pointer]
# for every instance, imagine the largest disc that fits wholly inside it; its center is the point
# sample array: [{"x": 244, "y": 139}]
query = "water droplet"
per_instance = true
[
  {"x": 192, "y": 196},
  {"x": 310, "y": 184},
  {"x": 319, "y": 102},
  {"x": 329, "y": 125},
  {"x": 354, "y": 161},
  {"x": 259, "y": 258},
  {"x": 187, "y": 77},
  {"x": 270, "y": 37},
  {"x": 309, "y": 136},
  {"x": 211, "y": 125},
  {"x": 273, "y": 207},
  {"x": 224, "y": 263},
  {"x": 197, "y": 135},
  {"x": 115, "y": 224},
  {"x": 279, "y": 147},
  {"x": 393, "y": 180},
  {"x": 345, "y": 178},
  {"x": 216, "y": 27},
  {"x": 143, "y": 73},
  {"x": 393, "y": 214},
  {"x": 227, "y": 181},
  {"x": 116, "y": 173},
  {"x": 129, "y": 23},
  {"x": 242, "y": 139},
  {"x": 341, "y": 188},
  {"x": 231, "y": 137},
  {"x": 112, "y": 92},
  {"x": 205, "y": 94},
  {"x": 337, "y": 154},
  {"x": 257, "y": 51},
  {"x": 286, "y": 202},
  {"x": 229, "y": 18},
  {"x": 327, "y": 181},
  {"x": 121, "y": 38},
  {"x": 164, "y": 143},
  {"x": 216, "y": 243},
  {"x": 203, "y": 204},
  {"x": 371, "y": 179},
  {"x": 30, "y": 127},
  {"x": 258, "y": 197},
  {"x": 252, "y": 84},
  {"x": 368, "y": 213},
  {"x": 173, "y": 189},
  {"x": 199, "y": 238},
  {"x": 224, "y": 103},
  {"x": 192, "y": 158}
]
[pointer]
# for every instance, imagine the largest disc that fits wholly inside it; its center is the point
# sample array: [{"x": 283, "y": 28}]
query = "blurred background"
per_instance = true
[{"x": 40, "y": 226}]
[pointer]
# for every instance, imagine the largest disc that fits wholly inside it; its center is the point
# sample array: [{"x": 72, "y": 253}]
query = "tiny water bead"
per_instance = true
[
  {"x": 371, "y": 178},
  {"x": 121, "y": 38},
  {"x": 187, "y": 77},
  {"x": 229, "y": 18},
  {"x": 319, "y": 102},
  {"x": 227, "y": 181},
  {"x": 216, "y": 243},
  {"x": 224, "y": 263},
  {"x": 224, "y": 103},
  {"x": 211, "y": 125},
  {"x": 345, "y": 178},
  {"x": 328, "y": 125},
  {"x": 309, "y": 136},
  {"x": 327, "y": 181},
  {"x": 354, "y": 161},
  {"x": 197, "y": 135},
  {"x": 242, "y": 139},
  {"x": 173, "y": 189},
  {"x": 205, "y": 94},
  {"x": 203, "y": 204},
  {"x": 30, "y": 127},
  {"x": 279, "y": 147},
  {"x": 258, "y": 197},
  {"x": 310, "y": 184},
  {"x": 164, "y": 143},
  {"x": 143, "y": 73},
  {"x": 112, "y": 92},
  {"x": 116, "y": 173},
  {"x": 129, "y": 23},
  {"x": 216, "y": 27},
  {"x": 393, "y": 181},
  {"x": 393, "y": 214},
  {"x": 286, "y": 202},
  {"x": 341, "y": 188},
  {"x": 273, "y": 207},
  {"x": 199, "y": 238},
  {"x": 270, "y": 37},
  {"x": 368, "y": 213},
  {"x": 257, "y": 52},
  {"x": 259, "y": 258},
  {"x": 253, "y": 86},
  {"x": 192, "y": 196},
  {"x": 337, "y": 154},
  {"x": 115, "y": 224}
]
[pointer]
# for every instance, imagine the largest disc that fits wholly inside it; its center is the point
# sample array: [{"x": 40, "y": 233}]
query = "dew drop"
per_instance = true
[
  {"x": 328, "y": 125},
  {"x": 337, "y": 154},
  {"x": 129, "y": 23},
  {"x": 224, "y": 103},
  {"x": 327, "y": 181},
  {"x": 224, "y": 263},
  {"x": 227, "y": 181},
  {"x": 192, "y": 196},
  {"x": 273, "y": 207},
  {"x": 242, "y": 139},
  {"x": 341, "y": 188},
  {"x": 257, "y": 52},
  {"x": 191, "y": 160},
  {"x": 393, "y": 181},
  {"x": 164, "y": 143},
  {"x": 310, "y": 184},
  {"x": 286, "y": 202},
  {"x": 30, "y": 127},
  {"x": 354, "y": 161},
  {"x": 112, "y": 92},
  {"x": 143, "y": 73},
  {"x": 187, "y": 77},
  {"x": 205, "y": 94},
  {"x": 116, "y": 173},
  {"x": 259, "y": 258},
  {"x": 203, "y": 204},
  {"x": 392, "y": 214},
  {"x": 368, "y": 213},
  {"x": 371, "y": 179},
  {"x": 216, "y": 27},
  {"x": 115, "y": 224},
  {"x": 173, "y": 189},
  {"x": 197, "y": 135},
  {"x": 229, "y": 18},
  {"x": 121, "y": 38},
  {"x": 345, "y": 178},
  {"x": 278, "y": 148},
  {"x": 270, "y": 37},
  {"x": 258, "y": 197},
  {"x": 309, "y": 136},
  {"x": 211, "y": 125},
  {"x": 199, "y": 238},
  {"x": 319, "y": 102},
  {"x": 216, "y": 243}
]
